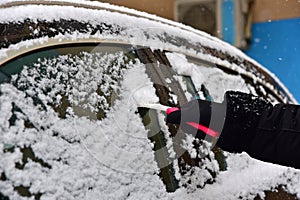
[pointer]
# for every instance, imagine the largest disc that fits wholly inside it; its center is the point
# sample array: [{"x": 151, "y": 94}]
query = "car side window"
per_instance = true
[
  {"x": 53, "y": 100},
  {"x": 80, "y": 79}
]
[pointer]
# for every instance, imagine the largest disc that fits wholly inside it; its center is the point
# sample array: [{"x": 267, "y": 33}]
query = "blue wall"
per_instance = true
[
  {"x": 228, "y": 21},
  {"x": 276, "y": 45}
]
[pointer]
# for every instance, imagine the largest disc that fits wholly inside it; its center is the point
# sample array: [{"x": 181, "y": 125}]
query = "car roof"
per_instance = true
[{"x": 138, "y": 28}]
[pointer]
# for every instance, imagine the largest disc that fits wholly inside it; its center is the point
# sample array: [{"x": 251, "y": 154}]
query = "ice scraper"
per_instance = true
[{"x": 186, "y": 125}]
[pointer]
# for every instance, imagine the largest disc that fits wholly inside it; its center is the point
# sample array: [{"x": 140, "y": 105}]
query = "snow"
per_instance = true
[
  {"x": 114, "y": 161},
  {"x": 216, "y": 81},
  {"x": 112, "y": 158},
  {"x": 244, "y": 179}
]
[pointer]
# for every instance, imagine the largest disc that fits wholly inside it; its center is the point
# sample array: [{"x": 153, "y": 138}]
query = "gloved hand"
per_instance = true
[{"x": 195, "y": 118}]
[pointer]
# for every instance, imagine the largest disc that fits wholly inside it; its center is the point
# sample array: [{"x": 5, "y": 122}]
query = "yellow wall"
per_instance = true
[
  {"x": 265, "y": 10},
  {"x": 163, "y": 8}
]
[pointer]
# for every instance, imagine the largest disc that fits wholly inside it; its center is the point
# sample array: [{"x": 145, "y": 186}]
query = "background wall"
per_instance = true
[
  {"x": 265, "y": 10},
  {"x": 275, "y": 40},
  {"x": 163, "y": 8}
]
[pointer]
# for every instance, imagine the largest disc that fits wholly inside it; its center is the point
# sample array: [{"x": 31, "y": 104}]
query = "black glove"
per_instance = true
[
  {"x": 198, "y": 117},
  {"x": 235, "y": 120}
]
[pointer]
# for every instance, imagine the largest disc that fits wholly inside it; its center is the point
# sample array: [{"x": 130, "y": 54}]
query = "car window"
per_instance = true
[
  {"x": 63, "y": 90},
  {"x": 82, "y": 78},
  {"x": 86, "y": 80},
  {"x": 72, "y": 108}
]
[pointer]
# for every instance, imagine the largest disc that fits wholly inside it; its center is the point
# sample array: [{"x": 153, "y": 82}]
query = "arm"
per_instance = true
[{"x": 268, "y": 133}]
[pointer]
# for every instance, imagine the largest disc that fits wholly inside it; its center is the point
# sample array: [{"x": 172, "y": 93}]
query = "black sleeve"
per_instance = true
[{"x": 266, "y": 132}]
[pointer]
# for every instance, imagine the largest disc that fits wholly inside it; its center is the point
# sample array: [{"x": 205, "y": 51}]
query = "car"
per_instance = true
[{"x": 74, "y": 79}]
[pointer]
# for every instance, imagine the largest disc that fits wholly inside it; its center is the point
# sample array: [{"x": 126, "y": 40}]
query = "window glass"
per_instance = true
[
  {"x": 210, "y": 82},
  {"x": 69, "y": 114},
  {"x": 82, "y": 79}
]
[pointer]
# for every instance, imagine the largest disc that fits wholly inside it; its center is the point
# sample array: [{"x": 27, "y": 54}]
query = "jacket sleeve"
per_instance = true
[{"x": 266, "y": 132}]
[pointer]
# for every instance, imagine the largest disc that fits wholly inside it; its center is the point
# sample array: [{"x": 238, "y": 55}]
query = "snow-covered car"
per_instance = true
[{"x": 74, "y": 76}]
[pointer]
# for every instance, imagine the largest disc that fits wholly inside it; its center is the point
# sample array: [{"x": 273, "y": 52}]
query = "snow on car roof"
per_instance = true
[{"x": 245, "y": 177}]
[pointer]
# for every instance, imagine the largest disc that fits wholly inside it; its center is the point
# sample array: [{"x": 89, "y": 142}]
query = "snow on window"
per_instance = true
[
  {"x": 51, "y": 149},
  {"x": 215, "y": 80}
]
